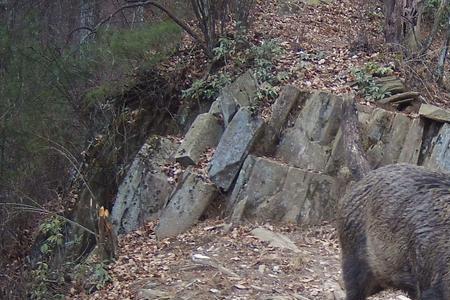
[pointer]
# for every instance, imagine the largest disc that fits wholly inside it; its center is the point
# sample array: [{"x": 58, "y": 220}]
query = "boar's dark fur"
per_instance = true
[{"x": 394, "y": 230}]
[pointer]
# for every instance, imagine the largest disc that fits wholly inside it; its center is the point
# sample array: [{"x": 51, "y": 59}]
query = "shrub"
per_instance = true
[{"x": 365, "y": 80}]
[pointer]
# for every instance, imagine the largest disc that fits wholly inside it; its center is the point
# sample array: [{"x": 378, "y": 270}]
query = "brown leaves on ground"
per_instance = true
[
  {"x": 210, "y": 263},
  {"x": 319, "y": 38}
]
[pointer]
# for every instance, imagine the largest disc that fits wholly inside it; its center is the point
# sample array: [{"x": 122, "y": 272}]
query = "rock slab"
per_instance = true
[
  {"x": 434, "y": 113},
  {"x": 145, "y": 187},
  {"x": 204, "y": 133},
  {"x": 278, "y": 192},
  {"x": 186, "y": 205},
  {"x": 233, "y": 147},
  {"x": 307, "y": 144}
]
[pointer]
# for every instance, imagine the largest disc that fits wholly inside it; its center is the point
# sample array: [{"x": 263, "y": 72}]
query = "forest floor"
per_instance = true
[{"x": 241, "y": 265}]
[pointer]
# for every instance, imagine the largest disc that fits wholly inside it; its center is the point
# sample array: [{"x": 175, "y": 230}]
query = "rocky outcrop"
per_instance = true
[
  {"x": 289, "y": 168},
  {"x": 145, "y": 187},
  {"x": 276, "y": 191},
  {"x": 204, "y": 133},
  {"x": 307, "y": 143},
  {"x": 233, "y": 148},
  {"x": 186, "y": 205}
]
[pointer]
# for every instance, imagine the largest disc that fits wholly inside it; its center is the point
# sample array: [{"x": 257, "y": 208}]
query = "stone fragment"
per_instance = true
[
  {"x": 186, "y": 205},
  {"x": 216, "y": 109},
  {"x": 204, "y": 133},
  {"x": 145, "y": 187},
  {"x": 240, "y": 93},
  {"x": 233, "y": 148},
  {"x": 376, "y": 135},
  {"x": 289, "y": 98},
  {"x": 434, "y": 113},
  {"x": 379, "y": 125},
  {"x": 275, "y": 239},
  {"x": 228, "y": 106}
]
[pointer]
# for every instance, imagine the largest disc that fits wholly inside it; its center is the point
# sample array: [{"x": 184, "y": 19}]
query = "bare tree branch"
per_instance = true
[
  {"x": 437, "y": 20},
  {"x": 133, "y": 4}
]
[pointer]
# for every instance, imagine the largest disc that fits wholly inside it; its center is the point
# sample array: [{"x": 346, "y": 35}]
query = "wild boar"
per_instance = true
[{"x": 394, "y": 231}]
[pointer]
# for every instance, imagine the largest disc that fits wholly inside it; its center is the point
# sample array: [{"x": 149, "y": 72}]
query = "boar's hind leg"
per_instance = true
[{"x": 358, "y": 277}]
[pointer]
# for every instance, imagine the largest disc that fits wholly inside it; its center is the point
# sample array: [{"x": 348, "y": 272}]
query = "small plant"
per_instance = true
[
  {"x": 375, "y": 69},
  {"x": 101, "y": 276},
  {"x": 267, "y": 91},
  {"x": 225, "y": 50},
  {"x": 39, "y": 285},
  {"x": 367, "y": 86},
  {"x": 263, "y": 57},
  {"x": 52, "y": 228},
  {"x": 260, "y": 58},
  {"x": 42, "y": 276},
  {"x": 206, "y": 90}
]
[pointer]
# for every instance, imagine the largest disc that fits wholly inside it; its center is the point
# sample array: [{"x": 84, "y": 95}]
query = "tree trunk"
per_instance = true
[
  {"x": 392, "y": 18},
  {"x": 402, "y": 23},
  {"x": 437, "y": 18},
  {"x": 443, "y": 55}
]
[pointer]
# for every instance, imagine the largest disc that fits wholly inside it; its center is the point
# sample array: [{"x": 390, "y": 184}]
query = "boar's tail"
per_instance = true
[{"x": 355, "y": 157}]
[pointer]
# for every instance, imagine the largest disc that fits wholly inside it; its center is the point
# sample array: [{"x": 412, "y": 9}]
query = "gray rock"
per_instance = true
[
  {"x": 240, "y": 93},
  {"x": 238, "y": 211},
  {"x": 298, "y": 150},
  {"x": 308, "y": 143},
  {"x": 228, "y": 106},
  {"x": 439, "y": 157},
  {"x": 434, "y": 113},
  {"x": 376, "y": 135},
  {"x": 289, "y": 98},
  {"x": 233, "y": 148},
  {"x": 145, "y": 187},
  {"x": 337, "y": 159},
  {"x": 275, "y": 191},
  {"x": 216, "y": 109},
  {"x": 379, "y": 125},
  {"x": 306, "y": 197},
  {"x": 397, "y": 135},
  {"x": 186, "y": 205},
  {"x": 275, "y": 239},
  {"x": 244, "y": 89},
  {"x": 241, "y": 181},
  {"x": 320, "y": 117},
  {"x": 413, "y": 143},
  {"x": 204, "y": 133}
]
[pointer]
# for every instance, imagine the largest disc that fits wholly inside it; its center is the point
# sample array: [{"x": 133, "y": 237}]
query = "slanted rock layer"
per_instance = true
[{"x": 289, "y": 168}]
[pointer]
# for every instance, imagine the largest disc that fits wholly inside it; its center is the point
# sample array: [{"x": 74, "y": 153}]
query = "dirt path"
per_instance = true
[{"x": 243, "y": 267}]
